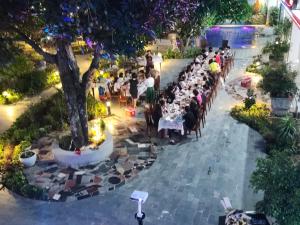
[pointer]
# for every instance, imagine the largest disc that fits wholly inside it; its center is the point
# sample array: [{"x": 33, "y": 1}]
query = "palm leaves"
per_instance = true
[{"x": 288, "y": 133}]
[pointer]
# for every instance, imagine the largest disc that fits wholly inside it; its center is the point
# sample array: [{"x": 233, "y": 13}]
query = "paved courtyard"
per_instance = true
[{"x": 185, "y": 184}]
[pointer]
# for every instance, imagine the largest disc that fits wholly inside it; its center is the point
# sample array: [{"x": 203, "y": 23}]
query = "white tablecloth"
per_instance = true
[{"x": 170, "y": 124}]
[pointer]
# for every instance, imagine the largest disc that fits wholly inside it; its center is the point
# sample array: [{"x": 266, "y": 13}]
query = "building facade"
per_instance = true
[{"x": 291, "y": 9}]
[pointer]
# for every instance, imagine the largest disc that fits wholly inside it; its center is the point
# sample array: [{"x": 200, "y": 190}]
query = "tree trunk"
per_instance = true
[{"x": 75, "y": 94}]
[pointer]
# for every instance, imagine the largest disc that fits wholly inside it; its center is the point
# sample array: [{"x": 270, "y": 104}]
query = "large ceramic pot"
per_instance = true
[
  {"x": 28, "y": 158},
  {"x": 280, "y": 106}
]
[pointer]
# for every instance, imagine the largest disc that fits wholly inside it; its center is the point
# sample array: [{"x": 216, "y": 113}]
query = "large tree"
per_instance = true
[{"x": 110, "y": 26}]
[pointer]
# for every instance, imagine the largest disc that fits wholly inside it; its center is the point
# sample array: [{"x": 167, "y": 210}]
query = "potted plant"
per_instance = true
[
  {"x": 28, "y": 158},
  {"x": 276, "y": 51},
  {"x": 279, "y": 82}
]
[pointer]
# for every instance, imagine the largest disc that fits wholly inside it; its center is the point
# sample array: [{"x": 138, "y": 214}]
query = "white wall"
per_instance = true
[{"x": 294, "y": 54}]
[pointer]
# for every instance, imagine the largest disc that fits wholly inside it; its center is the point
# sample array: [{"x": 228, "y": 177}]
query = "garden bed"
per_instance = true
[{"x": 88, "y": 156}]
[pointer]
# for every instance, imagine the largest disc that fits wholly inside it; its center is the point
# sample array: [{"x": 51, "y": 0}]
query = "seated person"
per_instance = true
[
  {"x": 197, "y": 96},
  {"x": 170, "y": 94},
  {"x": 214, "y": 67},
  {"x": 197, "y": 66},
  {"x": 182, "y": 76},
  {"x": 189, "y": 119},
  {"x": 195, "y": 107}
]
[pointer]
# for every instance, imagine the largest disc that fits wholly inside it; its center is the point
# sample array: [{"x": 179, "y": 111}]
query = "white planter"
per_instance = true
[
  {"x": 28, "y": 162},
  {"x": 280, "y": 106},
  {"x": 87, "y": 157}
]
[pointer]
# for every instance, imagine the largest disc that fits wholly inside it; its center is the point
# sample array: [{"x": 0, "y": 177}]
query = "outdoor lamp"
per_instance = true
[{"x": 108, "y": 104}]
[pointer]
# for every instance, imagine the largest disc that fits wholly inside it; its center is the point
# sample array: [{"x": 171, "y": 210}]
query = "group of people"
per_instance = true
[
  {"x": 196, "y": 83},
  {"x": 127, "y": 85}
]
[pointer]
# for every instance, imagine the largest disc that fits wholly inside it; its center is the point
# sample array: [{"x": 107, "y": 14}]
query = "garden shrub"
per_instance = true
[
  {"x": 279, "y": 178},
  {"x": 256, "y": 117},
  {"x": 52, "y": 77},
  {"x": 2, "y": 100},
  {"x": 14, "y": 179},
  {"x": 40, "y": 119},
  {"x": 192, "y": 52},
  {"x": 95, "y": 108},
  {"x": 274, "y": 16},
  {"x": 250, "y": 100},
  {"x": 10, "y": 96},
  {"x": 172, "y": 54},
  {"x": 31, "y": 191},
  {"x": 23, "y": 78},
  {"x": 31, "y": 83}
]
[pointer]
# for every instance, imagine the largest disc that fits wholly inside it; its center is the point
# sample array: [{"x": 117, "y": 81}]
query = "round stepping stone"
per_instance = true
[{"x": 114, "y": 180}]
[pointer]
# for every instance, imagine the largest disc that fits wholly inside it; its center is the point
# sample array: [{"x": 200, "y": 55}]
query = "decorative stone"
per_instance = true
[
  {"x": 97, "y": 179},
  {"x": 119, "y": 168},
  {"x": 70, "y": 184},
  {"x": 44, "y": 141},
  {"x": 114, "y": 180},
  {"x": 56, "y": 197}
]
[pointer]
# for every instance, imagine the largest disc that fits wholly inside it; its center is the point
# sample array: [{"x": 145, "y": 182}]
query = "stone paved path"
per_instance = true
[{"x": 185, "y": 184}]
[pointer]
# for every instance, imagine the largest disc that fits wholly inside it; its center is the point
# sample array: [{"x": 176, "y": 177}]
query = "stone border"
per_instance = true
[{"x": 87, "y": 157}]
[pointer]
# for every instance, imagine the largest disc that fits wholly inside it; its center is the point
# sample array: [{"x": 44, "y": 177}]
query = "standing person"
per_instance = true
[
  {"x": 150, "y": 95},
  {"x": 149, "y": 61},
  {"x": 133, "y": 90}
]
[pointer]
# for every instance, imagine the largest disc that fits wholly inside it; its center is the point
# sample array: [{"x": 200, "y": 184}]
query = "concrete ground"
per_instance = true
[{"x": 185, "y": 184}]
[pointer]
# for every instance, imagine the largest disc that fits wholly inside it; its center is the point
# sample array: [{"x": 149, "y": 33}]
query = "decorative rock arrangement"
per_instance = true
[
  {"x": 239, "y": 93},
  {"x": 62, "y": 183}
]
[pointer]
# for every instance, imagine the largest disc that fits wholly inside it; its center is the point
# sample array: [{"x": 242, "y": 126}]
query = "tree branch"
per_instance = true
[
  {"x": 50, "y": 58},
  {"x": 88, "y": 75}
]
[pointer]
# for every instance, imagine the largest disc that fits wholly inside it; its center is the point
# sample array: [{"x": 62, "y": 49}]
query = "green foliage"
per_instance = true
[
  {"x": 102, "y": 126},
  {"x": 274, "y": 16},
  {"x": 276, "y": 49},
  {"x": 256, "y": 66},
  {"x": 258, "y": 19},
  {"x": 47, "y": 116},
  {"x": 250, "y": 100},
  {"x": 279, "y": 81},
  {"x": 23, "y": 78},
  {"x": 283, "y": 29},
  {"x": 192, "y": 52},
  {"x": 14, "y": 179},
  {"x": 288, "y": 134},
  {"x": 95, "y": 108},
  {"x": 10, "y": 96},
  {"x": 233, "y": 10},
  {"x": 2, "y": 100},
  {"x": 172, "y": 54},
  {"x": 31, "y": 191},
  {"x": 257, "y": 116},
  {"x": 52, "y": 77},
  {"x": 279, "y": 179}
]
